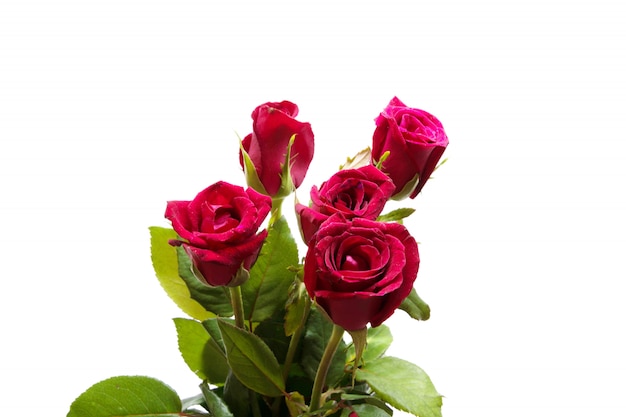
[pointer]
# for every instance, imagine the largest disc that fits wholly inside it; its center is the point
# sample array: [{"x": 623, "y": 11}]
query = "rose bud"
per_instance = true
[
  {"x": 360, "y": 271},
  {"x": 360, "y": 192},
  {"x": 415, "y": 141},
  {"x": 277, "y": 154},
  {"x": 218, "y": 230}
]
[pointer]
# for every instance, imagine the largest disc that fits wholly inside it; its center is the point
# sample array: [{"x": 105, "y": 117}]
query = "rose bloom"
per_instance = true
[
  {"x": 360, "y": 271},
  {"x": 360, "y": 192},
  {"x": 219, "y": 231},
  {"x": 415, "y": 140},
  {"x": 273, "y": 126}
]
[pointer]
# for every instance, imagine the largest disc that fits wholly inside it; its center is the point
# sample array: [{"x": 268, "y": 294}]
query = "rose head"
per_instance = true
[
  {"x": 360, "y": 271},
  {"x": 415, "y": 141},
  {"x": 360, "y": 192},
  {"x": 219, "y": 228},
  {"x": 274, "y": 165}
]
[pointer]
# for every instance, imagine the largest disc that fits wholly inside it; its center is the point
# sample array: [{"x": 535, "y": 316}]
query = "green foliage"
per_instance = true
[
  {"x": 252, "y": 361},
  {"x": 267, "y": 290},
  {"x": 415, "y": 306},
  {"x": 165, "y": 263},
  {"x": 403, "y": 385},
  {"x": 214, "y": 403},
  {"x": 203, "y": 355},
  {"x": 122, "y": 396}
]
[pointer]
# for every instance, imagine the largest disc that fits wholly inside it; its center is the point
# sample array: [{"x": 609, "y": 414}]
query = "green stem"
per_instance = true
[
  {"x": 295, "y": 339},
  {"x": 276, "y": 212},
  {"x": 236, "y": 301},
  {"x": 322, "y": 370}
]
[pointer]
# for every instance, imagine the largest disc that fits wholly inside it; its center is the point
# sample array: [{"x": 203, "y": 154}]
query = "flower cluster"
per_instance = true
[{"x": 267, "y": 327}]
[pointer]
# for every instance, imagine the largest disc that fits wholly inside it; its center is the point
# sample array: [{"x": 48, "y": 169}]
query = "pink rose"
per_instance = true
[
  {"x": 415, "y": 140},
  {"x": 360, "y": 271},
  {"x": 360, "y": 192},
  {"x": 267, "y": 146},
  {"x": 219, "y": 231}
]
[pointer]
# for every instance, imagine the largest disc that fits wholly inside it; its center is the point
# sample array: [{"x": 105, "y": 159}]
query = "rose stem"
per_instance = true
[
  {"x": 276, "y": 211},
  {"x": 295, "y": 339},
  {"x": 322, "y": 370},
  {"x": 236, "y": 301},
  {"x": 291, "y": 352}
]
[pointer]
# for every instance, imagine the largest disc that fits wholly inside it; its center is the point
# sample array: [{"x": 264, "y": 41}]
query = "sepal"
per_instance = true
[
  {"x": 361, "y": 159},
  {"x": 286, "y": 182},
  {"x": 250, "y": 172},
  {"x": 415, "y": 307},
  {"x": 407, "y": 189}
]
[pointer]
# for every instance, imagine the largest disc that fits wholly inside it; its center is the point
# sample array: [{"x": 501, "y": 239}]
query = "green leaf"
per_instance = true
[
  {"x": 267, "y": 290},
  {"x": 396, "y": 215},
  {"x": 365, "y": 410},
  {"x": 271, "y": 331},
  {"x": 252, "y": 361},
  {"x": 415, "y": 306},
  {"x": 403, "y": 385},
  {"x": 120, "y": 396},
  {"x": 214, "y": 299},
  {"x": 237, "y": 396},
  {"x": 316, "y": 336},
  {"x": 368, "y": 399},
  {"x": 212, "y": 327},
  {"x": 202, "y": 354},
  {"x": 215, "y": 405},
  {"x": 165, "y": 263}
]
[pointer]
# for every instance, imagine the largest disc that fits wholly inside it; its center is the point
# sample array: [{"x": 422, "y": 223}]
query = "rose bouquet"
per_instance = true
[{"x": 268, "y": 330}]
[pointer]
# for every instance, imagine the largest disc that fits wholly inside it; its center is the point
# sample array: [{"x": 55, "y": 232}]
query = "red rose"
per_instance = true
[
  {"x": 360, "y": 271},
  {"x": 415, "y": 140},
  {"x": 268, "y": 145},
  {"x": 219, "y": 228},
  {"x": 360, "y": 192}
]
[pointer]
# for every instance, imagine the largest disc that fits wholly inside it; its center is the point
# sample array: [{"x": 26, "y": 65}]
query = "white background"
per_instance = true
[{"x": 110, "y": 108}]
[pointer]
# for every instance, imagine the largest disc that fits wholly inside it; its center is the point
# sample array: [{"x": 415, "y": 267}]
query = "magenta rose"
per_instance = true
[
  {"x": 360, "y": 192},
  {"x": 219, "y": 231},
  {"x": 415, "y": 140},
  {"x": 267, "y": 148},
  {"x": 360, "y": 271}
]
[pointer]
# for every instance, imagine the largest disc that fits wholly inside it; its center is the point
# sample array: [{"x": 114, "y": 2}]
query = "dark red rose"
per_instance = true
[
  {"x": 360, "y": 271},
  {"x": 360, "y": 192},
  {"x": 273, "y": 126},
  {"x": 415, "y": 140},
  {"x": 219, "y": 228}
]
